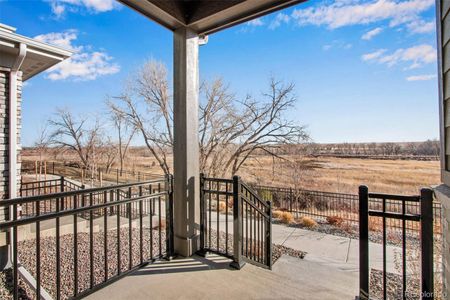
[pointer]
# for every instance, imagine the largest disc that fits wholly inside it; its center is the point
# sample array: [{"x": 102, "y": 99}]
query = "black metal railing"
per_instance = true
[
  {"x": 322, "y": 205},
  {"x": 235, "y": 222},
  {"x": 70, "y": 253},
  {"x": 384, "y": 207},
  {"x": 44, "y": 187},
  {"x": 216, "y": 224}
]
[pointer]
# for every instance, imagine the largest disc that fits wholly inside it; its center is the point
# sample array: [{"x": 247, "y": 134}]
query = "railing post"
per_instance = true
[
  {"x": 290, "y": 199},
  {"x": 426, "y": 238},
  {"x": 62, "y": 190},
  {"x": 237, "y": 263},
  {"x": 269, "y": 235},
  {"x": 169, "y": 216},
  {"x": 363, "y": 243},
  {"x": 202, "y": 250}
]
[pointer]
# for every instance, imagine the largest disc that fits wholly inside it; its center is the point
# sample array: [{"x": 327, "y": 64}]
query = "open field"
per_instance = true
[
  {"x": 331, "y": 174},
  {"x": 344, "y": 175}
]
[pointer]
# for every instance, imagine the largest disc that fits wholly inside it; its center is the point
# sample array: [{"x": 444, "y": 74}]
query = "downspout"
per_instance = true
[{"x": 12, "y": 116}]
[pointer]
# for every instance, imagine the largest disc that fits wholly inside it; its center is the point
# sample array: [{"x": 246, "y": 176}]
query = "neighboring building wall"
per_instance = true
[
  {"x": 443, "y": 192},
  {"x": 4, "y": 168}
]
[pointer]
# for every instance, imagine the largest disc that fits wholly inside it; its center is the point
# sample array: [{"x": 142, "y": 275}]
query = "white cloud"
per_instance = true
[
  {"x": 60, "y": 39},
  {"x": 370, "y": 34},
  {"x": 338, "y": 44},
  {"x": 84, "y": 64},
  {"x": 416, "y": 56},
  {"x": 279, "y": 19},
  {"x": 420, "y": 26},
  {"x": 59, "y": 7},
  {"x": 255, "y": 22},
  {"x": 373, "y": 55},
  {"x": 421, "y": 77},
  {"x": 352, "y": 12}
]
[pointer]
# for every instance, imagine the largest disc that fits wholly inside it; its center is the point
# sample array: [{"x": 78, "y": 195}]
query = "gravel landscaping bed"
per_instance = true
[
  {"x": 393, "y": 286},
  {"x": 27, "y": 257},
  {"x": 394, "y": 237}
]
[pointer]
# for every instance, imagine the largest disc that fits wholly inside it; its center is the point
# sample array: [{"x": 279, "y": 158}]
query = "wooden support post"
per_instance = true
[{"x": 186, "y": 142}]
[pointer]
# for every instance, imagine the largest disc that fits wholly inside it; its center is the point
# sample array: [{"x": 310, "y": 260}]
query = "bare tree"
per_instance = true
[
  {"x": 108, "y": 153},
  {"x": 43, "y": 141},
  {"x": 230, "y": 130},
  {"x": 75, "y": 134},
  {"x": 146, "y": 105},
  {"x": 125, "y": 133}
]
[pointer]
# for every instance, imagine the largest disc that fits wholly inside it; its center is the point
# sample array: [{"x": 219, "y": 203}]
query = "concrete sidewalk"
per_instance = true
[{"x": 341, "y": 252}]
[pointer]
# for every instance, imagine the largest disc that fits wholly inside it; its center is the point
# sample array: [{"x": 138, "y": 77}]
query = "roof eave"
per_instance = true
[{"x": 231, "y": 16}]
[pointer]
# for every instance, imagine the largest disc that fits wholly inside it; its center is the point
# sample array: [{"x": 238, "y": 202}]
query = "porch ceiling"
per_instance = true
[{"x": 205, "y": 16}]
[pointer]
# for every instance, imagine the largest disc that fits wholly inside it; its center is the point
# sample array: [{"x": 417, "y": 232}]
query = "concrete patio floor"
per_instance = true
[
  {"x": 212, "y": 278},
  {"x": 328, "y": 271}
]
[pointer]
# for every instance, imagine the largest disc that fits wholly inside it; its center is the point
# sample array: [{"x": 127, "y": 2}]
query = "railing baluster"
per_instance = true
[
  {"x": 159, "y": 221},
  {"x": 105, "y": 235},
  {"x": 202, "y": 214},
  {"x": 151, "y": 223},
  {"x": 226, "y": 218},
  {"x": 130, "y": 231},
  {"x": 141, "y": 247},
  {"x": 384, "y": 251},
  {"x": 403, "y": 251},
  {"x": 15, "y": 256},
  {"x": 118, "y": 233},
  {"x": 91, "y": 242},
  {"x": 58, "y": 255},
  {"x": 75, "y": 248},
  {"x": 218, "y": 221}
]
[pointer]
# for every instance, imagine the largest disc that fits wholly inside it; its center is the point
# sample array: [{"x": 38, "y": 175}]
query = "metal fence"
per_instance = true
[
  {"x": 322, "y": 205},
  {"x": 423, "y": 218},
  {"x": 71, "y": 253},
  {"x": 74, "y": 170}
]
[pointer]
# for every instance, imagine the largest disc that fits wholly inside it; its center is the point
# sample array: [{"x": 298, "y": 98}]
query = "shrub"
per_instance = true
[
  {"x": 335, "y": 220},
  {"x": 162, "y": 224},
  {"x": 222, "y": 207},
  {"x": 287, "y": 218},
  {"x": 277, "y": 214},
  {"x": 308, "y": 222},
  {"x": 374, "y": 224}
]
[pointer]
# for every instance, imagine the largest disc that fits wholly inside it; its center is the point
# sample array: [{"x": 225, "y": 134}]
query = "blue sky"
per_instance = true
[{"x": 364, "y": 70}]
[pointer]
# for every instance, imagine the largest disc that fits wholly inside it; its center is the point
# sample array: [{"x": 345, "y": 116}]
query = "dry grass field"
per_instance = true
[{"x": 342, "y": 175}]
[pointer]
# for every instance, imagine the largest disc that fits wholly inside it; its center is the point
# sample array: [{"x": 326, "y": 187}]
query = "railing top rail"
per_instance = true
[
  {"x": 68, "y": 212},
  {"x": 23, "y": 200},
  {"x": 42, "y": 181},
  {"x": 252, "y": 191},
  {"x": 218, "y": 179},
  {"x": 394, "y": 197},
  {"x": 286, "y": 189},
  {"x": 256, "y": 207}
]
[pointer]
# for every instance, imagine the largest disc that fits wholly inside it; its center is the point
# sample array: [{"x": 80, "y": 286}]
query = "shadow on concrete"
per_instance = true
[{"x": 182, "y": 265}]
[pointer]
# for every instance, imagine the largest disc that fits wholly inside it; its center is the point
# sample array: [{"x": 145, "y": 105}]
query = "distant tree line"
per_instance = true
[{"x": 425, "y": 148}]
